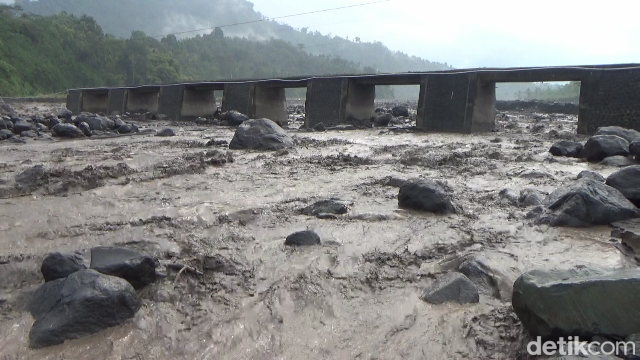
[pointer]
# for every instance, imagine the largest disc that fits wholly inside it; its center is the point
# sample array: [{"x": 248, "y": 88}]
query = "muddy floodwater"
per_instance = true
[{"x": 354, "y": 297}]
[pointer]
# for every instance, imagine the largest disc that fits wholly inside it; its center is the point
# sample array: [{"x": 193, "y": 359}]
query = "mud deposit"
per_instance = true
[{"x": 185, "y": 201}]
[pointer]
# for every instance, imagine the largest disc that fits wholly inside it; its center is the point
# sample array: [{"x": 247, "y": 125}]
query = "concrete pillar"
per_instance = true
[
  {"x": 143, "y": 100},
  {"x": 609, "y": 98},
  {"x": 443, "y": 104},
  {"x": 117, "y": 101},
  {"x": 74, "y": 101},
  {"x": 325, "y": 102},
  {"x": 484, "y": 107},
  {"x": 360, "y": 101},
  {"x": 237, "y": 96},
  {"x": 196, "y": 103},
  {"x": 95, "y": 101},
  {"x": 269, "y": 102},
  {"x": 170, "y": 101}
]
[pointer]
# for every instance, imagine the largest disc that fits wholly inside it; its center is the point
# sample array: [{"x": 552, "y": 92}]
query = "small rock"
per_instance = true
[
  {"x": 425, "y": 194},
  {"x": 566, "y": 148},
  {"x": 320, "y": 127},
  {"x": 235, "y": 118},
  {"x": 86, "y": 130},
  {"x": 128, "y": 129},
  {"x": 303, "y": 238},
  {"x": 382, "y": 120},
  {"x": 600, "y": 147},
  {"x": 31, "y": 178},
  {"x": 20, "y": 126},
  {"x": 29, "y": 134},
  {"x": 452, "y": 287},
  {"x": 627, "y": 181},
  {"x": 400, "y": 110},
  {"x": 221, "y": 264},
  {"x": 118, "y": 122},
  {"x": 586, "y": 174},
  {"x": 329, "y": 206},
  {"x": 56, "y": 266},
  {"x": 218, "y": 158},
  {"x": 5, "y": 134},
  {"x": 166, "y": 132},
  {"x": 531, "y": 197},
  {"x": 137, "y": 269},
  {"x": 67, "y": 130},
  {"x": 617, "y": 161},
  {"x": 509, "y": 196},
  {"x": 634, "y": 149}
]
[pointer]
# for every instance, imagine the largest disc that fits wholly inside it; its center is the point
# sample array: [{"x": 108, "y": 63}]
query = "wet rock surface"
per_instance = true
[
  {"x": 586, "y": 174},
  {"x": 82, "y": 304},
  {"x": 260, "y": 134},
  {"x": 627, "y": 181},
  {"x": 56, "y": 266},
  {"x": 139, "y": 270},
  {"x": 427, "y": 195},
  {"x": 587, "y": 202},
  {"x": 453, "y": 287},
  {"x": 303, "y": 238},
  {"x": 555, "y": 303},
  {"x": 566, "y": 148},
  {"x": 600, "y": 147}
]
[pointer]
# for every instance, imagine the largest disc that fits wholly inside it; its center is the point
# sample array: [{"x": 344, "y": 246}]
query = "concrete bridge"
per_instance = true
[{"x": 461, "y": 101}]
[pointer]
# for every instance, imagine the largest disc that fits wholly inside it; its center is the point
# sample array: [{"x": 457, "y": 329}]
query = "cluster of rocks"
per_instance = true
[
  {"x": 76, "y": 301},
  {"x": 611, "y": 146},
  {"x": 63, "y": 125}
]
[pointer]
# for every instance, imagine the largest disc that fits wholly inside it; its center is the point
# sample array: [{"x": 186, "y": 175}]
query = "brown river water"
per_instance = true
[{"x": 354, "y": 297}]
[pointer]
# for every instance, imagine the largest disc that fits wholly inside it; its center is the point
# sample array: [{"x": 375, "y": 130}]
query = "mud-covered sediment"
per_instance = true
[{"x": 248, "y": 296}]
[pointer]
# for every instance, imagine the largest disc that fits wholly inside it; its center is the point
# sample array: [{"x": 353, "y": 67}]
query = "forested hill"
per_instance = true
[
  {"x": 159, "y": 17},
  {"x": 47, "y": 54}
]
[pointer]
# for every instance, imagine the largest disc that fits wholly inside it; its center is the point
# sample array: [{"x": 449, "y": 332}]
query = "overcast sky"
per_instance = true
[
  {"x": 481, "y": 33},
  {"x": 477, "y": 33}
]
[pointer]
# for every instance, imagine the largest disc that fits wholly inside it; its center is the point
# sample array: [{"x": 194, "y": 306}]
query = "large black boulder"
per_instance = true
[
  {"x": 303, "y": 238},
  {"x": 67, "y": 130},
  {"x": 579, "y": 302},
  {"x": 400, "y": 110},
  {"x": 235, "y": 118},
  {"x": 260, "y": 134},
  {"x": 617, "y": 161},
  {"x": 84, "y": 303},
  {"x": 600, "y": 147},
  {"x": 586, "y": 202},
  {"x": 627, "y": 181},
  {"x": 425, "y": 194},
  {"x": 137, "y": 269},
  {"x": 128, "y": 129},
  {"x": 628, "y": 134},
  {"x": 566, "y": 148},
  {"x": 452, "y": 287},
  {"x": 6, "y": 134},
  {"x": 56, "y": 266},
  {"x": 65, "y": 114}
]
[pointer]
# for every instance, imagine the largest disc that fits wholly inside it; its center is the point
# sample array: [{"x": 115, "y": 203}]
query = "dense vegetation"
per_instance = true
[
  {"x": 160, "y": 17},
  {"x": 40, "y": 55}
]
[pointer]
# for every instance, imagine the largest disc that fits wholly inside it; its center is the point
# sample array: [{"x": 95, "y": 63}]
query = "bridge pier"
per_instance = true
[
  {"x": 456, "y": 103},
  {"x": 95, "y": 101},
  {"x": 198, "y": 102},
  {"x": 74, "y": 101},
  {"x": 359, "y": 101},
  {"x": 325, "y": 101},
  {"x": 268, "y": 102},
  {"x": 237, "y": 96},
  {"x": 170, "y": 101},
  {"x": 144, "y": 99},
  {"x": 609, "y": 98},
  {"x": 117, "y": 101}
]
